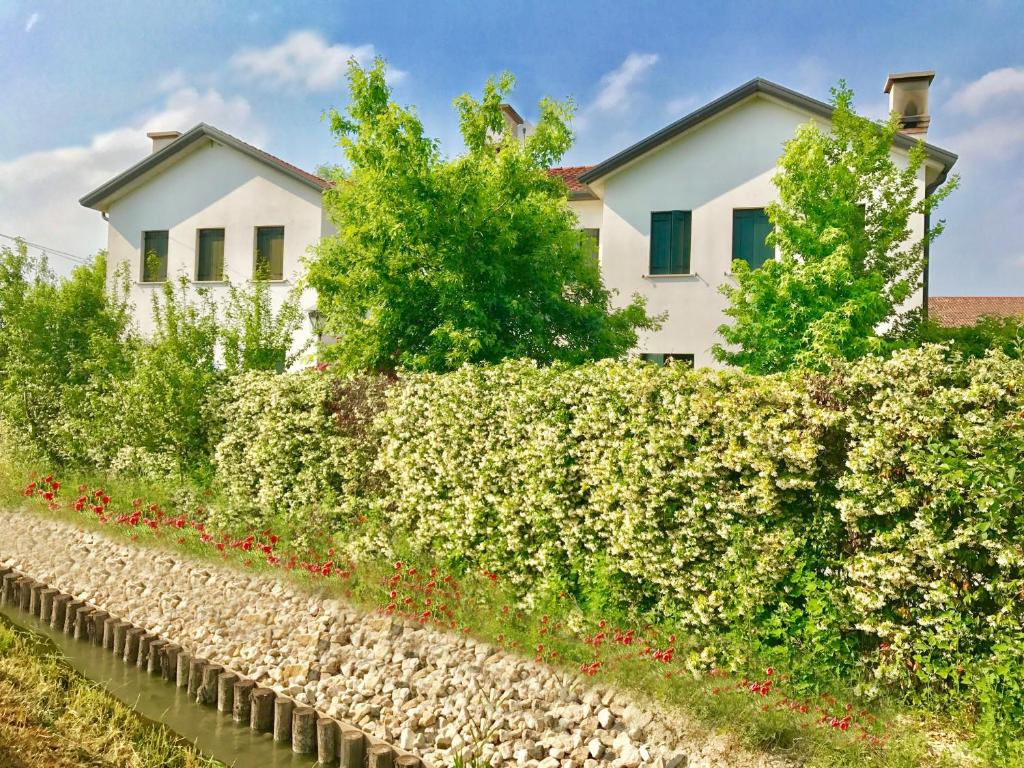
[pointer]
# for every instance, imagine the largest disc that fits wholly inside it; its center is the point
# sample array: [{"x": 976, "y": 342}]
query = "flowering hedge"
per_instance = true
[{"x": 865, "y": 521}]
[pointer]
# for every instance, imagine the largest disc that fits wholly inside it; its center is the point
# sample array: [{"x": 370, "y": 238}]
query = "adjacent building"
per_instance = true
[
  {"x": 668, "y": 215},
  {"x": 672, "y": 212}
]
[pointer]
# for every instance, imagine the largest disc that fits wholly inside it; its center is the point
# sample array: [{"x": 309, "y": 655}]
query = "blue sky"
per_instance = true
[{"x": 81, "y": 82}]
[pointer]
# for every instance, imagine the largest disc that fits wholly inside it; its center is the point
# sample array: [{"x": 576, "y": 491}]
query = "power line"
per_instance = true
[{"x": 47, "y": 250}]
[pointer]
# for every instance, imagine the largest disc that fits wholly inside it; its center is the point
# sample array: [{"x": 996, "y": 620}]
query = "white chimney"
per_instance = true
[
  {"x": 908, "y": 97},
  {"x": 162, "y": 138}
]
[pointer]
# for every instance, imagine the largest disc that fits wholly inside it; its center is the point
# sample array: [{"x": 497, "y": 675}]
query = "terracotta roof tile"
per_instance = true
[
  {"x": 967, "y": 310},
  {"x": 571, "y": 176}
]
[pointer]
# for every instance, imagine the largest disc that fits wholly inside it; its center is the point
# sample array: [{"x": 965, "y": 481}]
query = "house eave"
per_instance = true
[
  {"x": 100, "y": 197},
  {"x": 730, "y": 99}
]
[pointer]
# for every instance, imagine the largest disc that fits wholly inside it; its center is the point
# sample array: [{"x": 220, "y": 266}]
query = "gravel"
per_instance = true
[{"x": 432, "y": 693}]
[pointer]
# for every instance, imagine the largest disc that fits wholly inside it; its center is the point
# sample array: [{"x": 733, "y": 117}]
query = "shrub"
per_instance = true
[{"x": 296, "y": 446}]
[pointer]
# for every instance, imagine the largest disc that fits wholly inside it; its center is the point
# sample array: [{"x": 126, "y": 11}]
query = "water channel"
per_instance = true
[{"x": 214, "y": 734}]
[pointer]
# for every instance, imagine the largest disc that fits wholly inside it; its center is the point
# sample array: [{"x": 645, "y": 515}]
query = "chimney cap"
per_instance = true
[{"x": 903, "y": 77}]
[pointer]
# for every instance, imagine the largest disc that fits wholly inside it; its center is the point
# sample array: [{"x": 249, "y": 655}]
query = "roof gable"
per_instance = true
[
  {"x": 186, "y": 142},
  {"x": 733, "y": 97}
]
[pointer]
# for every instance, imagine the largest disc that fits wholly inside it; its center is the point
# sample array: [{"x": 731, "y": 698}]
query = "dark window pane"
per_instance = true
[
  {"x": 750, "y": 228},
  {"x": 661, "y": 243},
  {"x": 270, "y": 253},
  {"x": 210, "y": 261},
  {"x": 680, "y": 243},
  {"x": 154, "y": 256}
]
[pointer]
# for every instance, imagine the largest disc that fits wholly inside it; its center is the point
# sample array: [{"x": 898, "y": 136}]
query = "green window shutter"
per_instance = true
[
  {"x": 661, "y": 243},
  {"x": 154, "y": 256},
  {"x": 210, "y": 261},
  {"x": 680, "y": 243},
  {"x": 750, "y": 228},
  {"x": 670, "y": 243},
  {"x": 270, "y": 253}
]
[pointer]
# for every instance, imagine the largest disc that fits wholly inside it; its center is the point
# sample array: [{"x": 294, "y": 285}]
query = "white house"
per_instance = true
[
  {"x": 672, "y": 212},
  {"x": 669, "y": 213},
  {"x": 214, "y": 209}
]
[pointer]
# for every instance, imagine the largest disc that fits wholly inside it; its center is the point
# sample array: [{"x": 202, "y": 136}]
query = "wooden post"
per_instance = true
[
  {"x": 326, "y": 741},
  {"x": 99, "y": 619},
  {"x": 283, "y": 709},
  {"x": 154, "y": 662},
  {"x": 71, "y": 616},
  {"x": 380, "y": 756},
  {"x": 33, "y": 597},
  {"x": 46, "y": 603},
  {"x": 82, "y": 622},
  {"x": 169, "y": 662},
  {"x": 195, "y": 676},
  {"x": 120, "y": 635},
  {"x": 108, "y": 632},
  {"x": 262, "y": 719},
  {"x": 131, "y": 644},
  {"x": 25, "y": 592},
  {"x": 304, "y": 730},
  {"x": 207, "y": 693},
  {"x": 59, "y": 611},
  {"x": 182, "y": 666},
  {"x": 143, "y": 656},
  {"x": 353, "y": 748},
  {"x": 408, "y": 761},
  {"x": 241, "y": 706},
  {"x": 226, "y": 691},
  {"x": 10, "y": 592}
]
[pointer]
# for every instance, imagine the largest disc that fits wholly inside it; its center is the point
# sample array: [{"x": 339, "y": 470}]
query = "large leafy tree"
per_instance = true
[
  {"x": 438, "y": 262},
  {"x": 848, "y": 262}
]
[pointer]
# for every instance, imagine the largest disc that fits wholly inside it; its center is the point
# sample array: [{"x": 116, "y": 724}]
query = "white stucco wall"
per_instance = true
[
  {"x": 215, "y": 187},
  {"x": 723, "y": 164}
]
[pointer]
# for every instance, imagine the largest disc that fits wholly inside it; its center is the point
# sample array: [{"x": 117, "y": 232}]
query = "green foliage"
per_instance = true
[
  {"x": 1005, "y": 334},
  {"x": 849, "y": 259},
  {"x": 61, "y": 341},
  {"x": 297, "y": 448},
  {"x": 439, "y": 262},
  {"x": 254, "y": 336}
]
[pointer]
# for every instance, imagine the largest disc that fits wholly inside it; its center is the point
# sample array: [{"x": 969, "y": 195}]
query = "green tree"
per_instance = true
[
  {"x": 438, "y": 262},
  {"x": 847, "y": 262},
  {"x": 987, "y": 334},
  {"x": 60, "y": 338},
  {"x": 254, "y": 336}
]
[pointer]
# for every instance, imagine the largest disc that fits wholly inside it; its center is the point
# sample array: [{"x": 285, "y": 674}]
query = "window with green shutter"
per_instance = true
[
  {"x": 750, "y": 227},
  {"x": 154, "y": 256},
  {"x": 210, "y": 255},
  {"x": 269, "y": 253},
  {"x": 670, "y": 243}
]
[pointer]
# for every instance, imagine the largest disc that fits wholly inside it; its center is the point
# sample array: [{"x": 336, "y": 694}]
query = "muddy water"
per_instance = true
[{"x": 213, "y": 733}]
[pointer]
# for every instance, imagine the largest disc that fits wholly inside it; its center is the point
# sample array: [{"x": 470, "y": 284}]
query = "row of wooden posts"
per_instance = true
[{"x": 262, "y": 709}]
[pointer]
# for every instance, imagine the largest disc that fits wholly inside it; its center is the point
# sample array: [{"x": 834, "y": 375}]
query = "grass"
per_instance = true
[
  {"x": 51, "y": 717},
  {"x": 781, "y": 721}
]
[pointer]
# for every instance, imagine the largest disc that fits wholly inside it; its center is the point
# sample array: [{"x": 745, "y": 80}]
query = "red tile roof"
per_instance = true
[
  {"x": 571, "y": 176},
  {"x": 967, "y": 310},
  {"x": 284, "y": 164}
]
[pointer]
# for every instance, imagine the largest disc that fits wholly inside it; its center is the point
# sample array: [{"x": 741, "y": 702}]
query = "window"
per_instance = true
[
  {"x": 594, "y": 242},
  {"x": 269, "y": 253},
  {"x": 210, "y": 255},
  {"x": 154, "y": 256},
  {"x": 670, "y": 243},
  {"x": 660, "y": 358},
  {"x": 750, "y": 227}
]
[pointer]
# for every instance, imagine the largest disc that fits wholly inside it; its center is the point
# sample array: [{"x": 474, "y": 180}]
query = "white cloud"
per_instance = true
[
  {"x": 39, "y": 191},
  {"x": 32, "y": 21},
  {"x": 617, "y": 85},
  {"x": 989, "y": 88},
  {"x": 989, "y": 139},
  {"x": 680, "y": 107},
  {"x": 172, "y": 81},
  {"x": 305, "y": 59}
]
